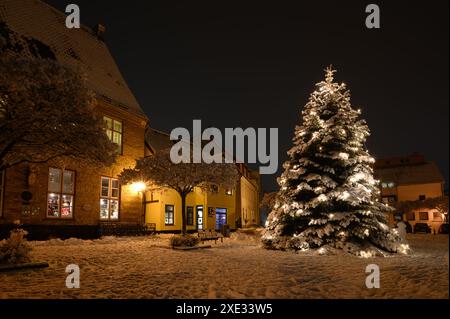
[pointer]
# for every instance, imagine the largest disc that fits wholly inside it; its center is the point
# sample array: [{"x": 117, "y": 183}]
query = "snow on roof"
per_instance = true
[
  {"x": 36, "y": 20},
  {"x": 425, "y": 172}
]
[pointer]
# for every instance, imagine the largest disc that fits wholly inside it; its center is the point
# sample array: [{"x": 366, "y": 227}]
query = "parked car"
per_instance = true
[
  {"x": 443, "y": 229},
  {"x": 422, "y": 228}
]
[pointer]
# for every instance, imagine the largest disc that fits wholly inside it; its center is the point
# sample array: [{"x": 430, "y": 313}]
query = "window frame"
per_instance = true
[
  {"x": 61, "y": 193},
  {"x": 110, "y": 198},
  {"x": 190, "y": 222},
  {"x": 165, "y": 214},
  {"x": 112, "y": 129}
]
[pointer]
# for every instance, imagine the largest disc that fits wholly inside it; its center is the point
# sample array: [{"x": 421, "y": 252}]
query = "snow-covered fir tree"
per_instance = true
[{"x": 328, "y": 196}]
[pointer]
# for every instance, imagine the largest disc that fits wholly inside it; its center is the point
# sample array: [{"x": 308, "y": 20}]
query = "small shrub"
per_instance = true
[
  {"x": 15, "y": 249},
  {"x": 184, "y": 240}
]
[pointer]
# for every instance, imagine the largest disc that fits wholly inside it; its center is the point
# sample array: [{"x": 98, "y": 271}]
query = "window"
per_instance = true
[
  {"x": 214, "y": 188},
  {"x": 190, "y": 215},
  {"x": 387, "y": 185},
  {"x": 421, "y": 197},
  {"x": 169, "y": 215},
  {"x": 229, "y": 192},
  {"x": 109, "y": 198},
  {"x": 2, "y": 186},
  {"x": 410, "y": 216},
  {"x": 61, "y": 189},
  {"x": 423, "y": 215},
  {"x": 388, "y": 200},
  {"x": 113, "y": 129},
  {"x": 437, "y": 216}
]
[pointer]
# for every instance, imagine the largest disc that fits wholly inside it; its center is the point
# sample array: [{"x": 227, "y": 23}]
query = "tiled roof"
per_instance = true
[
  {"x": 426, "y": 172},
  {"x": 33, "y": 21},
  {"x": 158, "y": 140}
]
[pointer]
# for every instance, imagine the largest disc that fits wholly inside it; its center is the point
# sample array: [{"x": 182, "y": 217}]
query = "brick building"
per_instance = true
[
  {"x": 76, "y": 199},
  {"x": 73, "y": 198}
]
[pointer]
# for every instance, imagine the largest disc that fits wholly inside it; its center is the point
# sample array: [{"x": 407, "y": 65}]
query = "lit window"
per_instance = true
[
  {"x": 389, "y": 200},
  {"x": 229, "y": 192},
  {"x": 2, "y": 184},
  {"x": 61, "y": 189},
  {"x": 190, "y": 216},
  {"x": 391, "y": 185},
  {"x": 109, "y": 198},
  {"x": 113, "y": 129},
  {"x": 169, "y": 215},
  {"x": 384, "y": 185}
]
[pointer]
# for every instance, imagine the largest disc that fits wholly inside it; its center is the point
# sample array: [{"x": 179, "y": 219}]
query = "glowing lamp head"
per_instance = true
[{"x": 138, "y": 187}]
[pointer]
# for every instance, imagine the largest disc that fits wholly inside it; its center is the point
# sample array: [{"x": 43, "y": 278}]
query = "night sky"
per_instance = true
[{"x": 254, "y": 64}]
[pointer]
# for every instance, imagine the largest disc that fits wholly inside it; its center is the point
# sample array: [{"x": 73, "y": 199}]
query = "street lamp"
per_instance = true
[{"x": 138, "y": 187}]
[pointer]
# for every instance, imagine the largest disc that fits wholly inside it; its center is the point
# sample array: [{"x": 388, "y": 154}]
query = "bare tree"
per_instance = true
[
  {"x": 46, "y": 113},
  {"x": 161, "y": 172}
]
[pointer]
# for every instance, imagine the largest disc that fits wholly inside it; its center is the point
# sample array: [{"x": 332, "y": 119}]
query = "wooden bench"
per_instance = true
[{"x": 206, "y": 235}]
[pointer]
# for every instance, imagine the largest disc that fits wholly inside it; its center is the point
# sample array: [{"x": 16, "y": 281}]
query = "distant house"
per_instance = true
[
  {"x": 238, "y": 207},
  {"x": 410, "y": 178}
]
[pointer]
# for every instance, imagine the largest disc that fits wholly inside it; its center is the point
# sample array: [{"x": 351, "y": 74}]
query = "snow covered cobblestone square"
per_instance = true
[{"x": 141, "y": 267}]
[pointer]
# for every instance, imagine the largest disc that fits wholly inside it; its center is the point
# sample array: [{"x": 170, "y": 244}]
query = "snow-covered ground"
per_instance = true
[{"x": 143, "y": 267}]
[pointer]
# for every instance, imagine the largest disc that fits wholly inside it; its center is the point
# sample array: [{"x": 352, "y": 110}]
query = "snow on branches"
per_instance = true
[
  {"x": 328, "y": 196},
  {"x": 46, "y": 113},
  {"x": 159, "y": 171}
]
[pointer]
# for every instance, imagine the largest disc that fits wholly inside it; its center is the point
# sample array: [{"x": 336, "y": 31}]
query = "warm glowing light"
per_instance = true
[{"x": 138, "y": 187}]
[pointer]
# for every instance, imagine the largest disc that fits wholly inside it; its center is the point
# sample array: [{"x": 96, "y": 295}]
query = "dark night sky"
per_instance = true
[{"x": 254, "y": 64}]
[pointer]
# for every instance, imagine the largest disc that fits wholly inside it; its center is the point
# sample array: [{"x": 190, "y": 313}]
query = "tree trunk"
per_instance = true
[{"x": 183, "y": 213}]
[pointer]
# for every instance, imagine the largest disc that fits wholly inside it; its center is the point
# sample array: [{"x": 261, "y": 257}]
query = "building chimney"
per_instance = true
[{"x": 99, "y": 30}]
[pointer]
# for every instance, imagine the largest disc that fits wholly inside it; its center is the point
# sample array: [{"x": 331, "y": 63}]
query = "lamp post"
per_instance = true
[{"x": 139, "y": 187}]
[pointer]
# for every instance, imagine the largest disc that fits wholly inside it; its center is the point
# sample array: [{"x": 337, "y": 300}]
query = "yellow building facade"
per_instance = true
[{"x": 237, "y": 207}]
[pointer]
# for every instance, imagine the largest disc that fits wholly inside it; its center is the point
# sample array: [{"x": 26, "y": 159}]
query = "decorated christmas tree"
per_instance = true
[{"x": 328, "y": 196}]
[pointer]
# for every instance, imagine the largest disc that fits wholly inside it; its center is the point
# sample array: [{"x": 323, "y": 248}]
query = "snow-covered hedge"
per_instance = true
[{"x": 15, "y": 249}]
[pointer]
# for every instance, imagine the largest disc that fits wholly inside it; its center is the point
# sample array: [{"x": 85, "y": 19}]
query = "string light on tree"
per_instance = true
[{"x": 328, "y": 195}]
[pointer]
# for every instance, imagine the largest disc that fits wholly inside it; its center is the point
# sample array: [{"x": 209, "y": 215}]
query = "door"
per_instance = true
[
  {"x": 199, "y": 217},
  {"x": 221, "y": 218}
]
